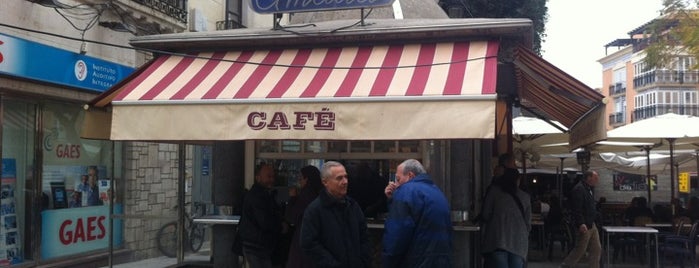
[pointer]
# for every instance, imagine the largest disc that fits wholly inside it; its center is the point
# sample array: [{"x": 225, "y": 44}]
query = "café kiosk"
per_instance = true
[{"x": 437, "y": 90}]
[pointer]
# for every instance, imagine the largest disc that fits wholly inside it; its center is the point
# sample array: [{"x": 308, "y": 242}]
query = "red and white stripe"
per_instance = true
[{"x": 430, "y": 69}]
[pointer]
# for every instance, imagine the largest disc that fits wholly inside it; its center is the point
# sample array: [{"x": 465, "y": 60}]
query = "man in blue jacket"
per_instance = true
[{"x": 418, "y": 230}]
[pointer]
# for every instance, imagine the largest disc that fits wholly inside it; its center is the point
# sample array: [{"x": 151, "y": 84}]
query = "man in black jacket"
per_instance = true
[
  {"x": 261, "y": 222},
  {"x": 583, "y": 212},
  {"x": 334, "y": 230}
]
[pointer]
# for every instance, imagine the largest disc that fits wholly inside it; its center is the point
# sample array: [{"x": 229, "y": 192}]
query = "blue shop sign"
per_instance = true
[
  {"x": 289, "y": 6},
  {"x": 27, "y": 59}
]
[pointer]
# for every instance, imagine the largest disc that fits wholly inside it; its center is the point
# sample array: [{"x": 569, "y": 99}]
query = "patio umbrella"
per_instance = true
[
  {"x": 530, "y": 133},
  {"x": 669, "y": 127}
]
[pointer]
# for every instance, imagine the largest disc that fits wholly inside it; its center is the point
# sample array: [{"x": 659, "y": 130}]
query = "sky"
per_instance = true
[{"x": 577, "y": 32}]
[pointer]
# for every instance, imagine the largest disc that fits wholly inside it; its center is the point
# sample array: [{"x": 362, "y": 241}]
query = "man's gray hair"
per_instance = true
[
  {"x": 414, "y": 166},
  {"x": 325, "y": 170}
]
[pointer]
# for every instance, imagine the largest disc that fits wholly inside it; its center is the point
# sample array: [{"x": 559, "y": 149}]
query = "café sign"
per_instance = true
[{"x": 288, "y": 6}]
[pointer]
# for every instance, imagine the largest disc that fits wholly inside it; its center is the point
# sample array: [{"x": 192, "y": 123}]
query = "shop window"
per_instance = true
[
  {"x": 337, "y": 147},
  {"x": 76, "y": 185},
  {"x": 268, "y": 146},
  {"x": 291, "y": 146},
  {"x": 360, "y": 146},
  {"x": 17, "y": 174},
  {"x": 385, "y": 146}
]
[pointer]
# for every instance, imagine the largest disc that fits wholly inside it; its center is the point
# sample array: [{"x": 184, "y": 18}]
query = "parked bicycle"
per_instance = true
[{"x": 193, "y": 237}]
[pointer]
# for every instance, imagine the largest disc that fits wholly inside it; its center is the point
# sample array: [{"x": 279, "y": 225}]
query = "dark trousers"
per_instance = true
[{"x": 256, "y": 261}]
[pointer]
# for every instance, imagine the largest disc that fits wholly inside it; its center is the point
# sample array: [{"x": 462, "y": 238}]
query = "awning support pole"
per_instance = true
[{"x": 180, "y": 201}]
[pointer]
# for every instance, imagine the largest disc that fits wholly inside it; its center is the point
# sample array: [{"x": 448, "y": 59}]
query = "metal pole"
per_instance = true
[
  {"x": 672, "y": 170},
  {"x": 647, "y": 149},
  {"x": 180, "y": 202},
  {"x": 560, "y": 184},
  {"x": 111, "y": 211}
]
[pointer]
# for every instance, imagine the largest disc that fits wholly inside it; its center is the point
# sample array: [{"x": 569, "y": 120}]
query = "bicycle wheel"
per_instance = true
[
  {"x": 196, "y": 237},
  {"x": 167, "y": 239}
]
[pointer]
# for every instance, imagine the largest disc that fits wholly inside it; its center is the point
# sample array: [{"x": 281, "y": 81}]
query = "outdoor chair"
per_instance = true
[
  {"x": 632, "y": 244},
  {"x": 680, "y": 247}
]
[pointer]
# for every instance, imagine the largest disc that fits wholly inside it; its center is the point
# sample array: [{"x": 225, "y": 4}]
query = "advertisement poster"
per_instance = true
[
  {"x": 84, "y": 185},
  {"x": 9, "y": 232},
  {"x": 76, "y": 230},
  {"x": 633, "y": 182}
]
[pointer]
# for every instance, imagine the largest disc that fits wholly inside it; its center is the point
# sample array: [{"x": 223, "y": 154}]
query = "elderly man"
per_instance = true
[
  {"x": 418, "y": 227},
  {"x": 334, "y": 230}
]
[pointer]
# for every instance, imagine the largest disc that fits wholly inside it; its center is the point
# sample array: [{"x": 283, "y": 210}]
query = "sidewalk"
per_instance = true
[{"x": 202, "y": 257}]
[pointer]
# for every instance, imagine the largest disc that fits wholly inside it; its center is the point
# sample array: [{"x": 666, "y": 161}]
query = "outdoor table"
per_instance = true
[
  {"x": 223, "y": 234},
  {"x": 635, "y": 230}
]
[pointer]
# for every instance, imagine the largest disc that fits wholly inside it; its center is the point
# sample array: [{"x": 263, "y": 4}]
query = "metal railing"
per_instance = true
[
  {"x": 666, "y": 77},
  {"x": 176, "y": 9},
  {"x": 617, "y": 118}
]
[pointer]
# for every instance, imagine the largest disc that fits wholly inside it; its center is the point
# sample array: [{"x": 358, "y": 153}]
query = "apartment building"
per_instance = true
[{"x": 637, "y": 91}]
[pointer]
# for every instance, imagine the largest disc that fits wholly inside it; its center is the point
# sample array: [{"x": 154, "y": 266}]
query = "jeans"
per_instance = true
[{"x": 503, "y": 259}]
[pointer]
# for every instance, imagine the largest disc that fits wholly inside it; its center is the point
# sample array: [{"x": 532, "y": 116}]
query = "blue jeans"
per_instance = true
[{"x": 503, "y": 259}]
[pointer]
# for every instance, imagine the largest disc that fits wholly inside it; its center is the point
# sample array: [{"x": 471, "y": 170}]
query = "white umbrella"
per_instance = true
[
  {"x": 529, "y": 133},
  {"x": 669, "y": 127}
]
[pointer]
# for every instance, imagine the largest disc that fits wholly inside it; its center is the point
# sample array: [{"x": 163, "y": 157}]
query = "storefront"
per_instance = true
[
  {"x": 47, "y": 212},
  {"x": 439, "y": 91}
]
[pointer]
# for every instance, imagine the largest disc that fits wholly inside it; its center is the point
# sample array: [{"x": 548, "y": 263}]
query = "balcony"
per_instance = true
[
  {"x": 655, "y": 110},
  {"x": 144, "y": 17},
  {"x": 617, "y": 118},
  {"x": 665, "y": 77},
  {"x": 176, "y": 9},
  {"x": 617, "y": 89}
]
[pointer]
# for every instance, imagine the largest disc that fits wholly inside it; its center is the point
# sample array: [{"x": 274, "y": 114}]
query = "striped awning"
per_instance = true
[
  {"x": 405, "y": 91},
  {"x": 547, "y": 90}
]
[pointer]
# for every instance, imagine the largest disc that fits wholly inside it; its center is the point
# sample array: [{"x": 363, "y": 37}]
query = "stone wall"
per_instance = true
[{"x": 150, "y": 176}]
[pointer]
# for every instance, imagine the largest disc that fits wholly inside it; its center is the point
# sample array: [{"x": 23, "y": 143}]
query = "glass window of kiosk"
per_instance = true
[{"x": 370, "y": 165}]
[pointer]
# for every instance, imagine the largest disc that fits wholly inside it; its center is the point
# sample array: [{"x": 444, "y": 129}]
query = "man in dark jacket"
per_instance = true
[
  {"x": 261, "y": 222},
  {"x": 334, "y": 230},
  {"x": 418, "y": 230},
  {"x": 583, "y": 212}
]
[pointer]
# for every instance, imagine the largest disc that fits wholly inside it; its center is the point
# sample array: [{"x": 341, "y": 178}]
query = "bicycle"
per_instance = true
[{"x": 193, "y": 237}]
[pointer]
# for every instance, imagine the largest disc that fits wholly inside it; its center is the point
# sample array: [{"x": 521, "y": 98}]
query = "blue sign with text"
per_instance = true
[
  {"x": 288, "y": 6},
  {"x": 41, "y": 62}
]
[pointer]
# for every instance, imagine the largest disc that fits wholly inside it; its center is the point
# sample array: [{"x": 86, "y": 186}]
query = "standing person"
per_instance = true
[
  {"x": 506, "y": 217},
  {"x": 310, "y": 185},
  {"x": 418, "y": 230},
  {"x": 261, "y": 224},
  {"x": 334, "y": 230},
  {"x": 583, "y": 212}
]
